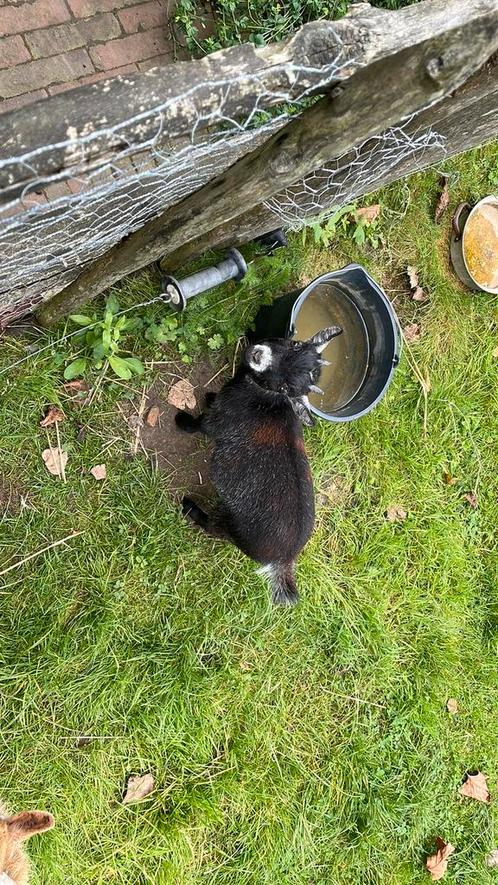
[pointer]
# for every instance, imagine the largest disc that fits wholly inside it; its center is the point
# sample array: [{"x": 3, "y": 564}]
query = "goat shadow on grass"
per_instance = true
[{"x": 183, "y": 457}]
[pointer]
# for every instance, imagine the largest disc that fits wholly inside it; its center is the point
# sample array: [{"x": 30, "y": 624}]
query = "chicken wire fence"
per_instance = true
[{"x": 61, "y": 224}]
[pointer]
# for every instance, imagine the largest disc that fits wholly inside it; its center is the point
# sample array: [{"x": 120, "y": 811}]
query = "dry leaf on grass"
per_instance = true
[
  {"x": 138, "y": 788},
  {"x": 369, "y": 213},
  {"x": 181, "y": 395},
  {"x": 245, "y": 665},
  {"x": 449, "y": 480},
  {"x": 452, "y": 705},
  {"x": 55, "y": 461},
  {"x": 52, "y": 416},
  {"x": 475, "y": 787},
  {"x": 418, "y": 293},
  {"x": 443, "y": 201},
  {"x": 394, "y": 513},
  {"x": 76, "y": 386},
  {"x": 495, "y": 353},
  {"x": 471, "y": 499},
  {"x": 412, "y": 333},
  {"x": 492, "y": 859},
  {"x": 152, "y": 417},
  {"x": 99, "y": 471},
  {"x": 437, "y": 863}
]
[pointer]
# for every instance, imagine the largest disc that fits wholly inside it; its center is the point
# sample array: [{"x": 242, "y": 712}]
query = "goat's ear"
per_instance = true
[
  {"x": 27, "y": 823},
  {"x": 259, "y": 357},
  {"x": 301, "y": 410}
]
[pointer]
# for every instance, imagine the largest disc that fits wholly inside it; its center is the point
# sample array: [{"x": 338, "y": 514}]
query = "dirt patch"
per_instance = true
[
  {"x": 11, "y": 495},
  {"x": 182, "y": 457}
]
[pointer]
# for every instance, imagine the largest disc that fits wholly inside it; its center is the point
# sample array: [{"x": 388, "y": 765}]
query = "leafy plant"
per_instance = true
[
  {"x": 347, "y": 221},
  {"x": 103, "y": 345}
]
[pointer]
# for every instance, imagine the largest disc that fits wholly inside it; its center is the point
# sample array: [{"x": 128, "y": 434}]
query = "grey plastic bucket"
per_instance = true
[{"x": 382, "y": 331}]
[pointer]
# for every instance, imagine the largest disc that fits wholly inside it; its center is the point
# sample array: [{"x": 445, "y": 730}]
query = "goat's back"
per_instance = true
[{"x": 261, "y": 473}]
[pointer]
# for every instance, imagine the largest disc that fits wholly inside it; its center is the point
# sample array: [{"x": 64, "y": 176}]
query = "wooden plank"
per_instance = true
[
  {"x": 86, "y": 125},
  {"x": 403, "y": 83},
  {"x": 463, "y": 121}
]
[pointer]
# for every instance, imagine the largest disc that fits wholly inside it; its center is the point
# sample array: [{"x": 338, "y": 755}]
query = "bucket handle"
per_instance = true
[{"x": 455, "y": 221}]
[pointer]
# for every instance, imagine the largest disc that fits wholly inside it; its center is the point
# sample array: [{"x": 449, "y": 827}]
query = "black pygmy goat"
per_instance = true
[{"x": 259, "y": 465}]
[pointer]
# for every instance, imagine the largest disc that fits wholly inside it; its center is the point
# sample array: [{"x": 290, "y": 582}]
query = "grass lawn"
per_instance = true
[{"x": 304, "y": 747}]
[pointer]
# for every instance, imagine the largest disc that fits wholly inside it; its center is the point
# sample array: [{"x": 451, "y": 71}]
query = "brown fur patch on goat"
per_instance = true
[{"x": 269, "y": 433}]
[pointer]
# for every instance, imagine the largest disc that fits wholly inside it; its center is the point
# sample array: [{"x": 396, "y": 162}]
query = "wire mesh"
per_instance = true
[{"x": 63, "y": 222}]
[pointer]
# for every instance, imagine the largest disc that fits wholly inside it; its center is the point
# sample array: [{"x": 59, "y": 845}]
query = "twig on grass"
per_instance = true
[
  {"x": 39, "y": 552},
  {"x": 424, "y": 382}
]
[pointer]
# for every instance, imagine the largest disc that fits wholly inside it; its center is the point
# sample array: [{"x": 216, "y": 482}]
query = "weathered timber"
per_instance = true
[
  {"x": 373, "y": 99},
  {"x": 464, "y": 120},
  {"x": 86, "y": 125}
]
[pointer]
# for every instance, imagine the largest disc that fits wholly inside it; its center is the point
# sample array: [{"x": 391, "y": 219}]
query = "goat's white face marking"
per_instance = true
[{"x": 261, "y": 358}]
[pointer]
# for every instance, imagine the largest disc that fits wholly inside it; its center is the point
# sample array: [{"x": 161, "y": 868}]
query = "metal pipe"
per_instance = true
[{"x": 232, "y": 267}]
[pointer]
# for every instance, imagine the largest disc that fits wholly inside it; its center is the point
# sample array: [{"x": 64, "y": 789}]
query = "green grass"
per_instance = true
[{"x": 328, "y": 756}]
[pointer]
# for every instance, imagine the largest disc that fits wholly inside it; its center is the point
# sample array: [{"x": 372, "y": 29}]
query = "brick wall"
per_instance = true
[{"x": 47, "y": 46}]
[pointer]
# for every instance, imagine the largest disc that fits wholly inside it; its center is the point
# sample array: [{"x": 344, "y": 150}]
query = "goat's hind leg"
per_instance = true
[
  {"x": 214, "y": 524},
  {"x": 186, "y": 422}
]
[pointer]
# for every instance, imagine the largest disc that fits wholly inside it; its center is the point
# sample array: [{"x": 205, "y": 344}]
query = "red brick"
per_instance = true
[
  {"x": 12, "y": 52},
  {"x": 158, "y": 61},
  {"x": 93, "y": 78},
  {"x": 11, "y": 104},
  {"x": 85, "y": 8},
  {"x": 43, "y": 72},
  {"x": 53, "y": 41},
  {"x": 28, "y": 16},
  {"x": 143, "y": 17},
  {"x": 137, "y": 47}
]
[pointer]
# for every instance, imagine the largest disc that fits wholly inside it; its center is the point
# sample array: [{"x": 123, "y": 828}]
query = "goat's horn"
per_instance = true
[{"x": 322, "y": 338}]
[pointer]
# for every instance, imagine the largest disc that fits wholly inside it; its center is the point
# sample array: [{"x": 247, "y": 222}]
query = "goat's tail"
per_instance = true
[{"x": 280, "y": 576}]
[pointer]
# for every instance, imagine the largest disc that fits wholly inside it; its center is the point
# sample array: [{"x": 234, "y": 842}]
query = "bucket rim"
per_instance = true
[{"x": 397, "y": 337}]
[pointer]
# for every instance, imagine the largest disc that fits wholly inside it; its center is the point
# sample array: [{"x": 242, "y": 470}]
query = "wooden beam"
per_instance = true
[
  {"x": 374, "y": 98},
  {"x": 463, "y": 121},
  {"x": 85, "y": 127}
]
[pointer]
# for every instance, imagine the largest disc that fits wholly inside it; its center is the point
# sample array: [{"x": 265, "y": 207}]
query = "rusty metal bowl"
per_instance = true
[{"x": 474, "y": 244}]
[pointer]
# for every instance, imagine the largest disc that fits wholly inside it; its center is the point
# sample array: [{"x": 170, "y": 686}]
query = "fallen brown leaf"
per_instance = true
[
  {"x": 394, "y": 513},
  {"x": 437, "y": 863},
  {"x": 492, "y": 859},
  {"x": 443, "y": 201},
  {"x": 452, "y": 705},
  {"x": 55, "y": 461},
  {"x": 153, "y": 416},
  {"x": 369, "y": 213},
  {"x": 53, "y": 415},
  {"x": 76, "y": 385},
  {"x": 471, "y": 498},
  {"x": 245, "y": 665},
  {"x": 412, "y": 333},
  {"x": 475, "y": 787},
  {"x": 418, "y": 293},
  {"x": 99, "y": 471},
  {"x": 138, "y": 787},
  {"x": 181, "y": 395},
  {"x": 449, "y": 480}
]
